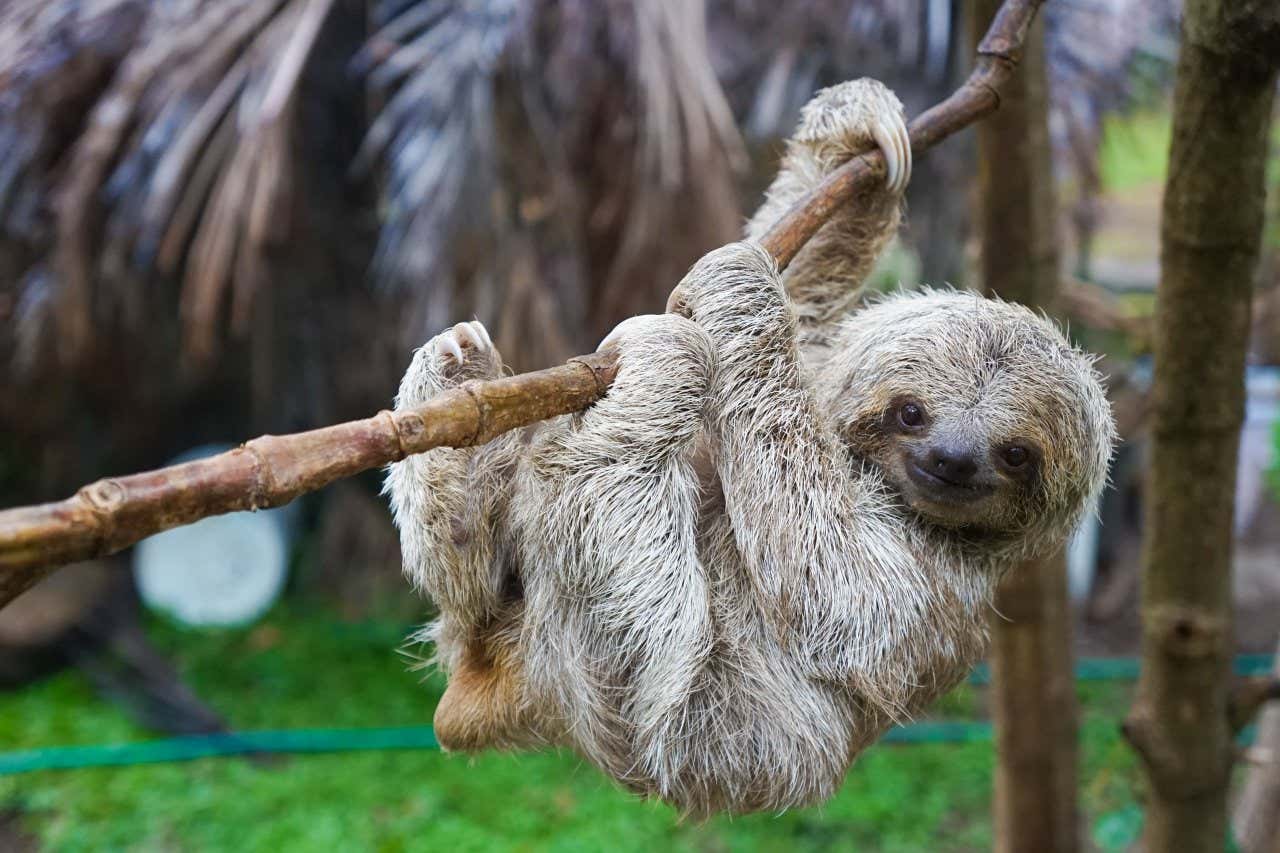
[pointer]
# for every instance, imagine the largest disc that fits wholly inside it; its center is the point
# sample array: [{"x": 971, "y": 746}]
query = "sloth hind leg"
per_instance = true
[
  {"x": 486, "y": 705},
  {"x": 450, "y": 506}
]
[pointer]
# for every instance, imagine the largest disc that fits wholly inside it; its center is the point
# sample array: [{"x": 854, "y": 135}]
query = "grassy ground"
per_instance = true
[{"x": 296, "y": 671}]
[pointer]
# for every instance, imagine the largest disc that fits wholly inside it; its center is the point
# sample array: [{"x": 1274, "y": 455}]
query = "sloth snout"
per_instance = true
[{"x": 952, "y": 463}]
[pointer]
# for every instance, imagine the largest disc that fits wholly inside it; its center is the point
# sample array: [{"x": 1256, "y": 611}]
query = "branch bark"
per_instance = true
[
  {"x": 1210, "y": 240},
  {"x": 112, "y": 514}
]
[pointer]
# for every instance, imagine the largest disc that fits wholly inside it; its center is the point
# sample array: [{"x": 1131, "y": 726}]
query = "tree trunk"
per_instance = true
[
  {"x": 1257, "y": 817},
  {"x": 1033, "y": 690},
  {"x": 1210, "y": 233}
]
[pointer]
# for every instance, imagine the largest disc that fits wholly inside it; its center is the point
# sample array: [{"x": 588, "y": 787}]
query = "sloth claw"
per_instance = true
[
  {"x": 611, "y": 339},
  {"x": 632, "y": 327},
  {"x": 464, "y": 336},
  {"x": 447, "y": 345},
  {"x": 846, "y": 119},
  {"x": 890, "y": 134}
]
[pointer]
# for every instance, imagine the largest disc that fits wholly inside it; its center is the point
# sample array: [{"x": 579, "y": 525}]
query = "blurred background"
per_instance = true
[{"x": 220, "y": 218}]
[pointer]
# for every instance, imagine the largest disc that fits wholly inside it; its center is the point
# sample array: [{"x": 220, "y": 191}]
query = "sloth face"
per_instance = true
[
  {"x": 951, "y": 469},
  {"x": 979, "y": 414}
]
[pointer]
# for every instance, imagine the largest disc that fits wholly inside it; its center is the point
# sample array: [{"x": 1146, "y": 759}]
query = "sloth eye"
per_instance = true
[
  {"x": 1015, "y": 455},
  {"x": 910, "y": 415}
]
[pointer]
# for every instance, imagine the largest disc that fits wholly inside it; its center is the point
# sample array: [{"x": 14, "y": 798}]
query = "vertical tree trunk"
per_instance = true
[
  {"x": 1033, "y": 689},
  {"x": 1210, "y": 233}
]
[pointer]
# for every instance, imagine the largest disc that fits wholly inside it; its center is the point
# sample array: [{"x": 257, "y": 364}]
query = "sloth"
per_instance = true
[{"x": 777, "y": 534}]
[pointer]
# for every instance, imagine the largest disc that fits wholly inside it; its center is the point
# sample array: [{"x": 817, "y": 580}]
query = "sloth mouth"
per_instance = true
[{"x": 941, "y": 490}]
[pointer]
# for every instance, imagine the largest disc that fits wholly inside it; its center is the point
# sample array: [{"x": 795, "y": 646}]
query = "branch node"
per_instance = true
[
  {"x": 103, "y": 497},
  {"x": 409, "y": 427},
  {"x": 387, "y": 416},
  {"x": 260, "y": 489},
  {"x": 993, "y": 91},
  {"x": 482, "y": 412},
  {"x": 1008, "y": 32},
  {"x": 603, "y": 367},
  {"x": 1186, "y": 633}
]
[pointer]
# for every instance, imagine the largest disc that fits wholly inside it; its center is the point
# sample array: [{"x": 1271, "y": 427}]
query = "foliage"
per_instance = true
[
  {"x": 295, "y": 670},
  {"x": 1135, "y": 149}
]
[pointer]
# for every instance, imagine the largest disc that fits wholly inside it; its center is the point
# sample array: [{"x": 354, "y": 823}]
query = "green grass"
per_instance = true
[
  {"x": 1135, "y": 149},
  {"x": 299, "y": 671}
]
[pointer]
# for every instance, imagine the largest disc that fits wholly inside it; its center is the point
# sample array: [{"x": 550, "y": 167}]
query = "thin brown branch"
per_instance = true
[
  {"x": 112, "y": 514},
  {"x": 1099, "y": 309},
  {"x": 1247, "y": 697}
]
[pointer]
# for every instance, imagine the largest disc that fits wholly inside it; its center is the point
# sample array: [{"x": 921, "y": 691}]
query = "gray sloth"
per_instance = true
[{"x": 777, "y": 534}]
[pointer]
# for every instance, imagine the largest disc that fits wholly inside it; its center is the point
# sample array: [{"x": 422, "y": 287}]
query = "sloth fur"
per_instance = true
[{"x": 778, "y": 533}]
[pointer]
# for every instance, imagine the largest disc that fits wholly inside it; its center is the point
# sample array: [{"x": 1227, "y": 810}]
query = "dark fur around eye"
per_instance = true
[
  {"x": 907, "y": 415},
  {"x": 1017, "y": 457}
]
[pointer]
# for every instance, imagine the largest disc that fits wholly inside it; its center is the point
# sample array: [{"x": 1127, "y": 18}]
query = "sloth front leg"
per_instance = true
[
  {"x": 617, "y": 606},
  {"x": 822, "y": 554},
  {"x": 825, "y": 279},
  {"x": 450, "y": 506}
]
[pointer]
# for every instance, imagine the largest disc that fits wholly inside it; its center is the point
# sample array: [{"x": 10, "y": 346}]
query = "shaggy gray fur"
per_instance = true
[{"x": 720, "y": 584}]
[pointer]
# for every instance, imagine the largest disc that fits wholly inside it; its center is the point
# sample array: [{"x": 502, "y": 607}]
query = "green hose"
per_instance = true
[
  {"x": 422, "y": 737},
  {"x": 205, "y": 746}
]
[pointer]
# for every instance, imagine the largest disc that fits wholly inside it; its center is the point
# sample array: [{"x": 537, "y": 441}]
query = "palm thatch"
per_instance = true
[
  {"x": 182, "y": 164},
  {"x": 155, "y": 140},
  {"x": 533, "y": 154},
  {"x": 171, "y": 158}
]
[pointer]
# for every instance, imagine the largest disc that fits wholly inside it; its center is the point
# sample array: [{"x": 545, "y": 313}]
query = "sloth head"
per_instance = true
[{"x": 978, "y": 413}]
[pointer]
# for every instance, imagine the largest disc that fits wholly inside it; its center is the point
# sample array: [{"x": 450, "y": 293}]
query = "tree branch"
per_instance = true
[
  {"x": 112, "y": 514},
  {"x": 1247, "y": 697}
]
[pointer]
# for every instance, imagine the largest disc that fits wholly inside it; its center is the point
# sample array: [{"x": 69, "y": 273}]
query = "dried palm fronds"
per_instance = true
[
  {"x": 771, "y": 63},
  {"x": 182, "y": 164},
  {"x": 436, "y": 63},
  {"x": 191, "y": 146},
  {"x": 55, "y": 60},
  {"x": 533, "y": 154},
  {"x": 578, "y": 123}
]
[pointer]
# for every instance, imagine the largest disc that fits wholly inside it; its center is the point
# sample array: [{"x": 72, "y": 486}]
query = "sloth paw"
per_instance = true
[
  {"x": 466, "y": 351},
  {"x": 665, "y": 366},
  {"x": 641, "y": 330},
  {"x": 736, "y": 281},
  {"x": 667, "y": 344},
  {"x": 450, "y": 358},
  {"x": 850, "y": 118}
]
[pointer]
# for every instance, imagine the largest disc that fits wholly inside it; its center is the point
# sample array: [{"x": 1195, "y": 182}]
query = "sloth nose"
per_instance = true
[{"x": 951, "y": 463}]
